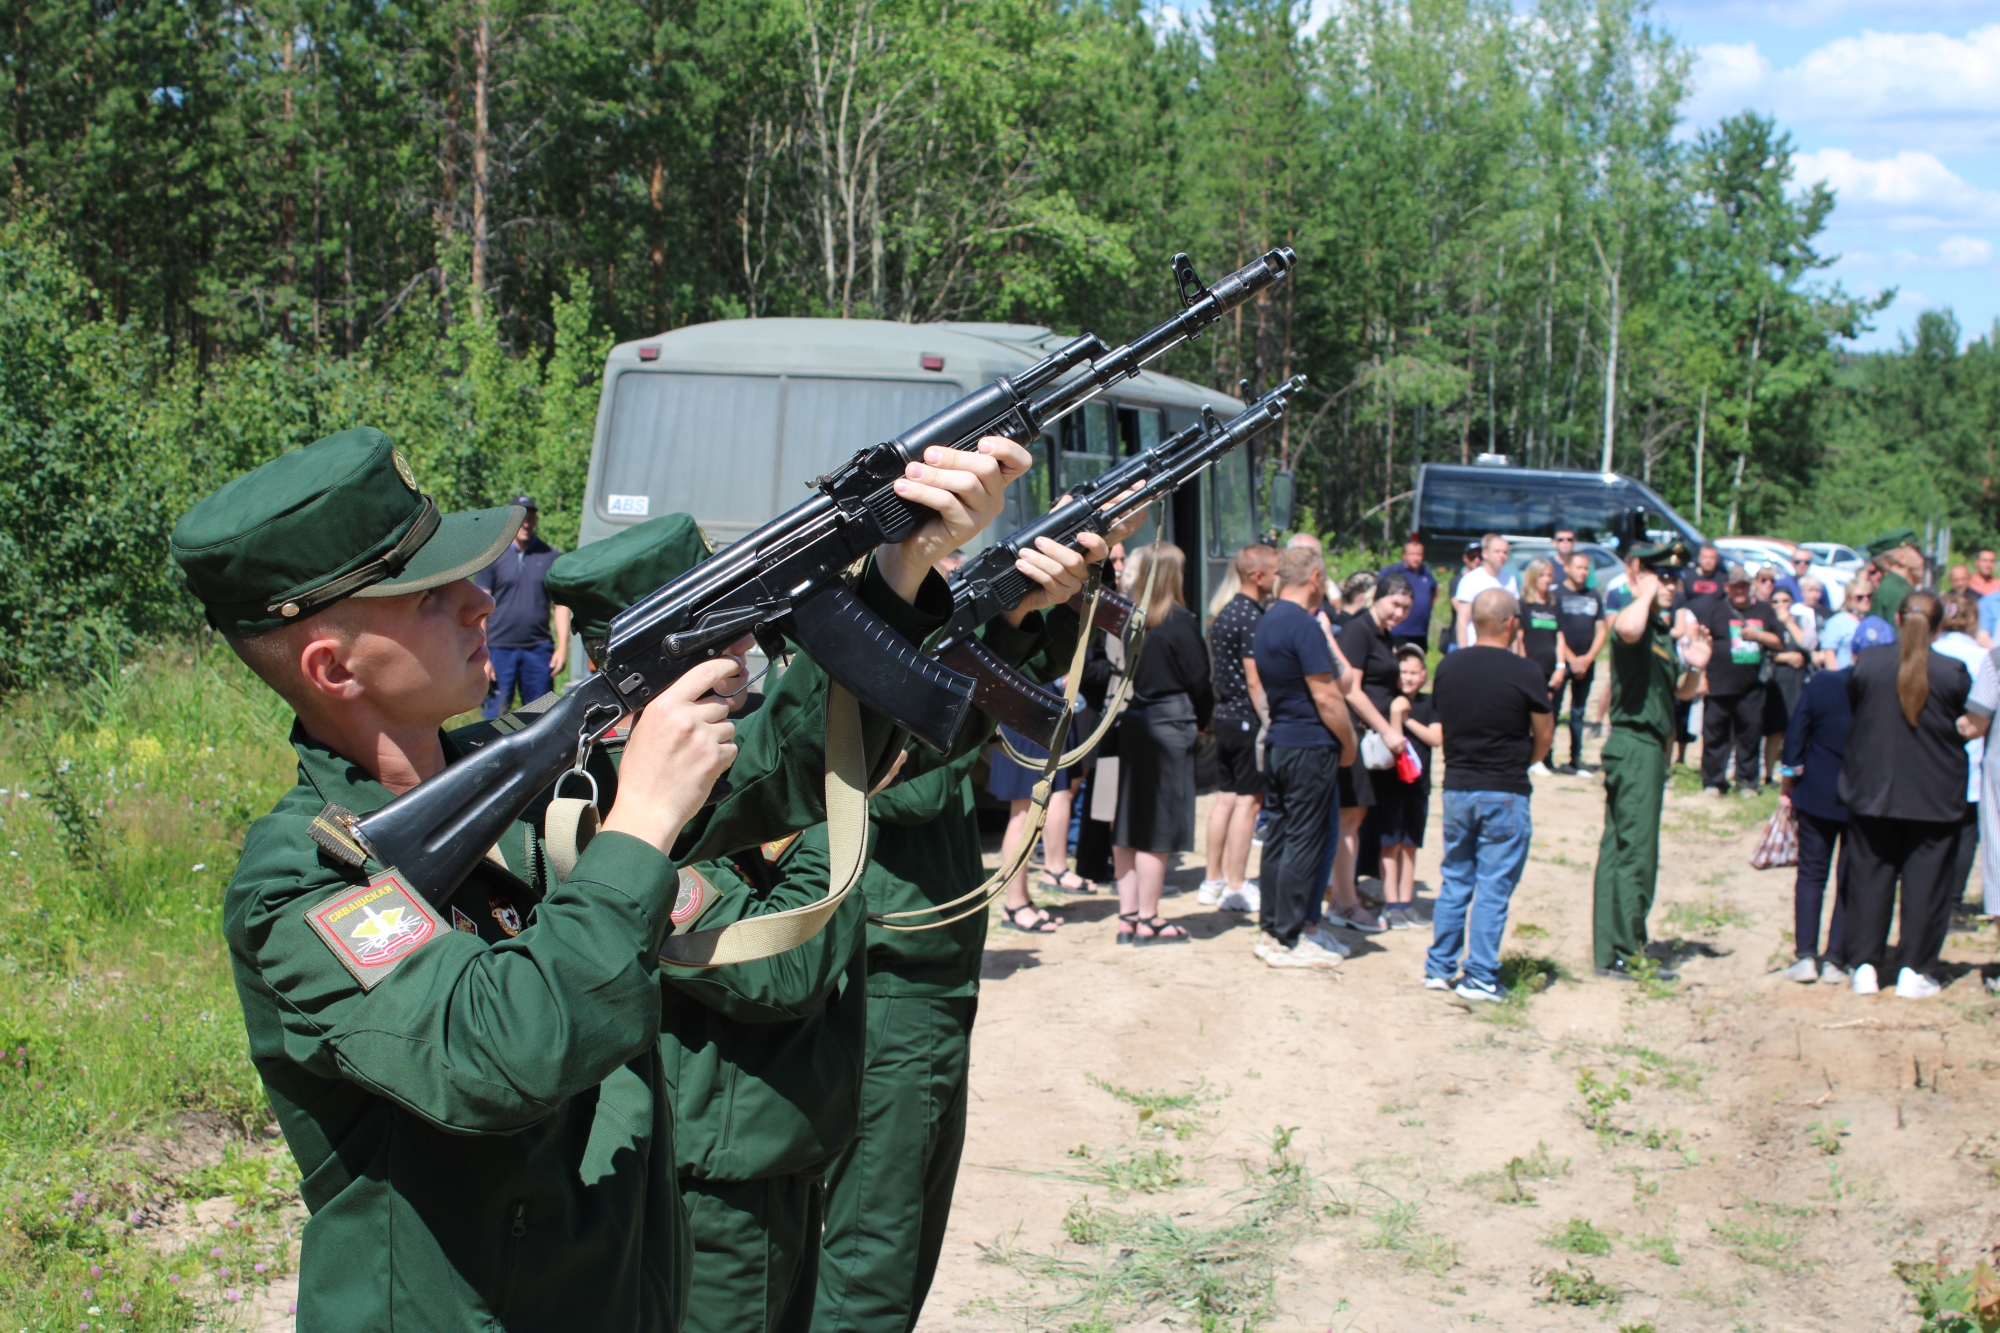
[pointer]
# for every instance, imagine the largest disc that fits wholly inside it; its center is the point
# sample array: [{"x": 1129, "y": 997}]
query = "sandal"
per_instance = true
[
  {"x": 1068, "y": 882},
  {"x": 1042, "y": 922},
  {"x": 1130, "y": 936},
  {"x": 1164, "y": 932}
]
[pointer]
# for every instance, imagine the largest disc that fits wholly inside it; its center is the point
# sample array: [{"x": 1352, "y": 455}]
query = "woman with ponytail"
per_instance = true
[{"x": 1903, "y": 781}]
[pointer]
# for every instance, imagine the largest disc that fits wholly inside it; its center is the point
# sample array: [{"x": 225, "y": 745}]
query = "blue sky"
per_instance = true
[{"x": 1898, "y": 108}]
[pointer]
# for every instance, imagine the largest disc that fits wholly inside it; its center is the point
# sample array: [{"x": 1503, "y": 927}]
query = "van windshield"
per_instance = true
[
  {"x": 1494, "y": 502},
  {"x": 736, "y": 450}
]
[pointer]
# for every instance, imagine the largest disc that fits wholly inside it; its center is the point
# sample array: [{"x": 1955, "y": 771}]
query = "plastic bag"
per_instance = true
[
  {"x": 1780, "y": 844},
  {"x": 1408, "y": 766},
  {"x": 1375, "y": 751}
]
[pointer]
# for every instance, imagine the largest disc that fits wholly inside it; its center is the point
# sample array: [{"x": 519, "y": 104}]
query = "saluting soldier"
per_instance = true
[
  {"x": 473, "y": 1092},
  {"x": 1899, "y": 566},
  {"x": 1645, "y": 682},
  {"x": 764, "y": 1057}
]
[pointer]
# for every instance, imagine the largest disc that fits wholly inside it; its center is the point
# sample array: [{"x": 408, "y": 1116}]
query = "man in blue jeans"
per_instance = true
[
  {"x": 1494, "y": 707},
  {"x": 521, "y": 653}
]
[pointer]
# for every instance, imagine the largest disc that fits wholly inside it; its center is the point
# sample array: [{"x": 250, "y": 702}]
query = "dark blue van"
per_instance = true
[{"x": 1455, "y": 504}]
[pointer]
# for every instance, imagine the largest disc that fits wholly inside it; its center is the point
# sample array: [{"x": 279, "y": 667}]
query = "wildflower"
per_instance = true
[
  {"x": 223, "y": 1271},
  {"x": 174, "y": 1278},
  {"x": 90, "y": 1293},
  {"x": 77, "y": 1198},
  {"x": 93, "y": 1310},
  {"x": 96, "y": 1271},
  {"x": 215, "y": 1253},
  {"x": 126, "y": 1308},
  {"x": 232, "y": 1295},
  {"x": 132, "y": 1218},
  {"x": 256, "y": 1268},
  {"x": 292, "y": 1308},
  {"x": 201, "y": 865}
]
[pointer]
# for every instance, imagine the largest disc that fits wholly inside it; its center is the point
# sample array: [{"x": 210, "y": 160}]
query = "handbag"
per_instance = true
[
  {"x": 1375, "y": 752},
  {"x": 1780, "y": 844}
]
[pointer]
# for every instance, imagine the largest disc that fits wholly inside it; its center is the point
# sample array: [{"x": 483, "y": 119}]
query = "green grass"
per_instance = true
[
  {"x": 1826, "y": 1135},
  {"x": 1159, "y": 1112},
  {"x": 1659, "y": 1244},
  {"x": 1672, "y": 1071},
  {"x": 1570, "y": 1285},
  {"x": 1953, "y": 1300},
  {"x": 1510, "y": 1183},
  {"x": 1146, "y": 1171},
  {"x": 1766, "y": 1244},
  {"x": 124, "y": 801},
  {"x": 1578, "y": 1236},
  {"x": 1707, "y": 917}
]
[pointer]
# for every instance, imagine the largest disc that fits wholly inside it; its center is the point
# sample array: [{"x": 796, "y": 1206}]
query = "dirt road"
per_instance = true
[{"x": 1734, "y": 1152}]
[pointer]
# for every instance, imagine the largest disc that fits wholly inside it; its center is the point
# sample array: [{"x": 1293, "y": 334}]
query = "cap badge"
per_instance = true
[{"x": 403, "y": 468}]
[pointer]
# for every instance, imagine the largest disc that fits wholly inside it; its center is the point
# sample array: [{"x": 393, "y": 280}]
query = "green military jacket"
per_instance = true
[
  {"x": 926, "y": 853},
  {"x": 1642, "y": 681},
  {"x": 765, "y": 1058},
  {"x": 474, "y": 1095}
]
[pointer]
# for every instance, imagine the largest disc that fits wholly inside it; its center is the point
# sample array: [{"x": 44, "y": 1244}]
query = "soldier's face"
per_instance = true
[{"x": 414, "y": 660}]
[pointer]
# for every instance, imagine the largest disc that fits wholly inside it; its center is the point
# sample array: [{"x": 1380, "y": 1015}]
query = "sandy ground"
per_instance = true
[{"x": 1781, "y": 1147}]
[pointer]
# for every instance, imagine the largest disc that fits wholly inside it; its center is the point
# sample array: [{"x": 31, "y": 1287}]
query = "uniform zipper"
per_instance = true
[{"x": 517, "y": 1230}]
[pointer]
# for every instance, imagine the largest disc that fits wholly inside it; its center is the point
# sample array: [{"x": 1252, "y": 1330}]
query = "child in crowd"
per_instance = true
[{"x": 1402, "y": 808}]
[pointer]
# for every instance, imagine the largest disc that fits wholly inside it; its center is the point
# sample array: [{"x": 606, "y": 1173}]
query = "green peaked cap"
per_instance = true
[
  {"x": 598, "y": 581},
  {"x": 1891, "y": 541},
  {"x": 1666, "y": 555},
  {"x": 341, "y": 517}
]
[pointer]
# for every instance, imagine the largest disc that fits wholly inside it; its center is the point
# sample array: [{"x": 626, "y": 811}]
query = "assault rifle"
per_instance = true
[
  {"x": 989, "y": 583},
  {"x": 782, "y": 581}
]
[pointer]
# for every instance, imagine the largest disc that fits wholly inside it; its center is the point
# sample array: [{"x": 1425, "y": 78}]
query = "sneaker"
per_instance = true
[
  {"x": 1360, "y": 921},
  {"x": 1436, "y": 983},
  {"x": 1805, "y": 972},
  {"x": 1746, "y": 793},
  {"x": 1264, "y": 945},
  {"x": 1864, "y": 980},
  {"x": 1716, "y": 793},
  {"x": 1313, "y": 955},
  {"x": 1245, "y": 899},
  {"x": 1326, "y": 940},
  {"x": 1584, "y": 770},
  {"x": 1914, "y": 985},
  {"x": 1832, "y": 974},
  {"x": 1567, "y": 771},
  {"x": 1210, "y": 892},
  {"x": 1472, "y": 988},
  {"x": 1402, "y": 918},
  {"x": 1540, "y": 771}
]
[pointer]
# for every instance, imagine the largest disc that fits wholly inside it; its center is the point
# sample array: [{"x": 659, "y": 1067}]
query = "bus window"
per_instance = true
[
  {"x": 1028, "y": 498},
  {"x": 1138, "y": 429},
  {"x": 1086, "y": 443},
  {"x": 1232, "y": 526}
]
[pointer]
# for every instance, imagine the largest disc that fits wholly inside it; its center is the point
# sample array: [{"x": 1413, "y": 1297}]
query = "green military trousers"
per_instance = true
[
  {"x": 889, "y": 1195},
  {"x": 756, "y": 1253},
  {"x": 1628, "y": 858}
]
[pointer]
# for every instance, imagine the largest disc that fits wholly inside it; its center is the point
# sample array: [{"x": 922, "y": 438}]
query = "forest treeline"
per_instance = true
[{"x": 233, "y": 226}]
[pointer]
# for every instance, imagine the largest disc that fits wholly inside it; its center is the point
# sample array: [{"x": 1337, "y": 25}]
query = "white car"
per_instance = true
[
  {"x": 1844, "y": 558},
  {"x": 1752, "y": 552}
]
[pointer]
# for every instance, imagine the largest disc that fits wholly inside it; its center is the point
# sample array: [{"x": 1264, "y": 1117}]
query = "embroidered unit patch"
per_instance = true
[
  {"x": 505, "y": 913},
  {"x": 694, "y": 895},
  {"x": 775, "y": 851},
  {"x": 374, "y": 927},
  {"x": 460, "y": 921}
]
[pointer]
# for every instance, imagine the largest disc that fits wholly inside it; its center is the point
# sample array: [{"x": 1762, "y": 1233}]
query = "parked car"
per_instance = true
[
  {"x": 1833, "y": 554},
  {"x": 1457, "y": 503},
  {"x": 1604, "y": 562}
]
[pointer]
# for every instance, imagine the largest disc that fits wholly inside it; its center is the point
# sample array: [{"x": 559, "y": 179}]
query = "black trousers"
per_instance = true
[
  {"x": 1578, "y": 689},
  {"x": 1962, "y": 854},
  {"x": 1727, "y": 717},
  {"x": 1917, "y": 852},
  {"x": 1301, "y": 788},
  {"x": 1817, "y": 838}
]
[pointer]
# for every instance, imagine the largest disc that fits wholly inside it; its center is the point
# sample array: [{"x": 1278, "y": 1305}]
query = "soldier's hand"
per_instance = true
[
  {"x": 678, "y": 748},
  {"x": 966, "y": 488},
  {"x": 1059, "y": 570}
]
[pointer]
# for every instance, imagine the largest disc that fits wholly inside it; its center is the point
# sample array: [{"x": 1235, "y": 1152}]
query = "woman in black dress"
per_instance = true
[
  {"x": 1903, "y": 783},
  {"x": 1170, "y": 702},
  {"x": 1540, "y": 631},
  {"x": 1367, "y": 646}
]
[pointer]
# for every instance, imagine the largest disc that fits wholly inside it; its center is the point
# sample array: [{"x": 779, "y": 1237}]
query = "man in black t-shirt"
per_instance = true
[
  {"x": 1239, "y": 704},
  {"x": 1703, "y": 580},
  {"x": 1732, "y": 712},
  {"x": 1494, "y": 707},
  {"x": 1580, "y": 618}
]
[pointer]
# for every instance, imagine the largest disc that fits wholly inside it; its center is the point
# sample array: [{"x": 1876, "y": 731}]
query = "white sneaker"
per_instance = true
[
  {"x": 1864, "y": 980},
  {"x": 1805, "y": 971},
  {"x": 1914, "y": 985},
  {"x": 1436, "y": 983},
  {"x": 1540, "y": 771},
  {"x": 1277, "y": 955},
  {"x": 1210, "y": 892},
  {"x": 1832, "y": 974},
  {"x": 1263, "y": 947},
  {"x": 1313, "y": 954},
  {"x": 1327, "y": 940},
  {"x": 1245, "y": 899}
]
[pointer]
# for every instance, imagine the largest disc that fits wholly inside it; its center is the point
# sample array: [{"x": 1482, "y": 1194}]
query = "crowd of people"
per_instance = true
[{"x": 1312, "y": 712}]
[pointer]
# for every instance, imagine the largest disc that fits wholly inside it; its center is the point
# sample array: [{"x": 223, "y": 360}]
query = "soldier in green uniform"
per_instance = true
[
  {"x": 473, "y": 1093},
  {"x": 1898, "y": 566},
  {"x": 764, "y": 1058},
  {"x": 889, "y": 1194},
  {"x": 1644, "y": 684}
]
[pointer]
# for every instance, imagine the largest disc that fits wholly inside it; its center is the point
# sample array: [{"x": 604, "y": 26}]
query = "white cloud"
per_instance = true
[
  {"x": 1877, "y": 90},
  {"x": 1905, "y": 190},
  {"x": 1965, "y": 251}
]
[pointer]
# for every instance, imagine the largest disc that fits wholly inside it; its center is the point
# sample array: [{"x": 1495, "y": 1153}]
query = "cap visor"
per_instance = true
[{"x": 463, "y": 545}]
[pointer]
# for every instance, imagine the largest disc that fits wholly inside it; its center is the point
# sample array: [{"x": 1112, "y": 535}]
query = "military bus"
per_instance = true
[{"x": 732, "y": 421}]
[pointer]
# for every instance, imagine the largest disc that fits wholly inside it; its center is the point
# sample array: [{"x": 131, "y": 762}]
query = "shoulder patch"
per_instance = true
[
  {"x": 330, "y": 829},
  {"x": 694, "y": 895},
  {"x": 774, "y": 852},
  {"x": 372, "y": 928}
]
